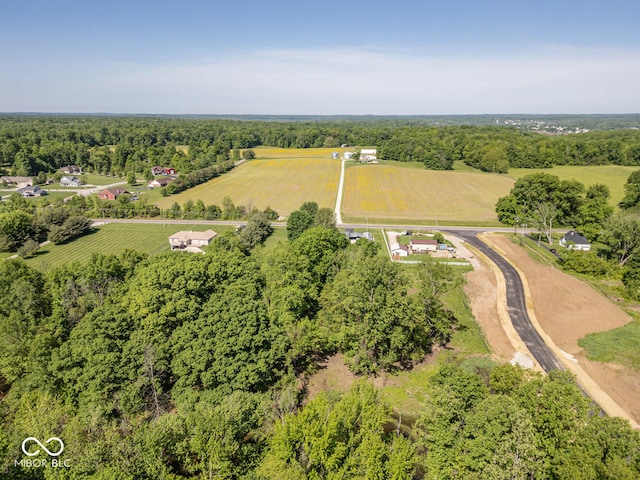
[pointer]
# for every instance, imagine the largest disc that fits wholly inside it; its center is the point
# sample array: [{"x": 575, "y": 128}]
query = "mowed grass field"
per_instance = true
[
  {"x": 393, "y": 191},
  {"x": 281, "y": 183},
  {"x": 613, "y": 176},
  {"x": 113, "y": 238}
]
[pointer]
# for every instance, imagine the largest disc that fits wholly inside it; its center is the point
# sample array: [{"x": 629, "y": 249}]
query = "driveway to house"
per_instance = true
[{"x": 339, "y": 197}]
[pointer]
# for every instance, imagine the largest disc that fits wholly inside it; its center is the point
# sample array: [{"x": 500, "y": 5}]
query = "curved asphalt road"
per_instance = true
[{"x": 515, "y": 303}]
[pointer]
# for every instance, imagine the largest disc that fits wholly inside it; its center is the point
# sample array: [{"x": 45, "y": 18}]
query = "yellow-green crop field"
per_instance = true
[
  {"x": 275, "y": 152},
  {"x": 284, "y": 178},
  {"x": 613, "y": 176},
  {"x": 389, "y": 191},
  {"x": 281, "y": 183}
]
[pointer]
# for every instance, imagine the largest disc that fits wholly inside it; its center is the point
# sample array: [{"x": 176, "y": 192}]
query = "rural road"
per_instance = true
[{"x": 339, "y": 197}]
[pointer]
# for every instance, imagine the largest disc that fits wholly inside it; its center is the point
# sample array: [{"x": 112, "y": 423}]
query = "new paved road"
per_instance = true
[{"x": 516, "y": 303}]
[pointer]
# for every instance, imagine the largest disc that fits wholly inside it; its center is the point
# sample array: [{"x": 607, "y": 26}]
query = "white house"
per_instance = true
[
  {"x": 398, "y": 250},
  {"x": 160, "y": 182},
  {"x": 574, "y": 241},
  {"x": 191, "y": 241},
  {"x": 70, "y": 181},
  {"x": 423, "y": 246}
]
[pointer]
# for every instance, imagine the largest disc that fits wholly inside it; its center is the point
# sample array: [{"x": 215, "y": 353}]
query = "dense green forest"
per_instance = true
[
  {"x": 114, "y": 145},
  {"x": 194, "y": 366}
]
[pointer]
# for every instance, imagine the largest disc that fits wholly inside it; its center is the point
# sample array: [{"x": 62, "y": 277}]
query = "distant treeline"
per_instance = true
[{"x": 117, "y": 144}]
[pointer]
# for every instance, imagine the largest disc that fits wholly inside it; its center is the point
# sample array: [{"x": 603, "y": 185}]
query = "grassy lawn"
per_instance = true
[
  {"x": 283, "y": 184},
  {"x": 538, "y": 254},
  {"x": 619, "y": 345},
  {"x": 409, "y": 193},
  {"x": 613, "y": 176},
  {"x": 279, "y": 235},
  {"x": 94, "y": 179},
  {"x": 112, "y": 239}
]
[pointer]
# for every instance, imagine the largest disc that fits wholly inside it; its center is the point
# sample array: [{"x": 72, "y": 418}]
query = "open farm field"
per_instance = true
[
  {"x": 113, "y": 238},
  {"x": 276, "y": 152},
  {"x": 282, "y": 184},
  {"x": 390, "y": 191},
  {"x": 613, "y": 176}
]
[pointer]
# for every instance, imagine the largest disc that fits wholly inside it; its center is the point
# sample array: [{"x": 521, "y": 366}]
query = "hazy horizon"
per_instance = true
[{"x": 323, "y": 58}]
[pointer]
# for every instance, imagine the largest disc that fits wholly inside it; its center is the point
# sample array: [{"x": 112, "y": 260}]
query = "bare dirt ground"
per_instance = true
[
  {"x": 568, "y": 309},
  {"x": 481, "y": 291}
]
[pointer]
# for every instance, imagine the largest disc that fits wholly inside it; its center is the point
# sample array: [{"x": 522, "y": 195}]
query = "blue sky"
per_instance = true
[{"x": 321, "y": 57}]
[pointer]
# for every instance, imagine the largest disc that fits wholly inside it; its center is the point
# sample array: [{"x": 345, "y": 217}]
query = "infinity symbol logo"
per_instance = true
[{"x": 33, "y": 439}]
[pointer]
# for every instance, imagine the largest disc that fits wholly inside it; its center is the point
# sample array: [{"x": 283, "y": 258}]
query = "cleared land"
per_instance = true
[
  {"x": 613, "y": 176},
  {"x": 391, "y": 191},
  {"x": 619, "y": 345},
  {"x": 282, "y": 183},
  {"x": 568, "y": 310}
]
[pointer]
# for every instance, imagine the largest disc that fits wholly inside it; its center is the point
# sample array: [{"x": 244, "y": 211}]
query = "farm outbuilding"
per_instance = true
[{"x": 423, "y": 246}]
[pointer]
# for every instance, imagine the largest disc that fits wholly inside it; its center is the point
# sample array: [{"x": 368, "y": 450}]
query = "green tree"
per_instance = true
[
  {"x": 71, "y": 228},
  {"x": 131, "y": 178},
  {"x": 231, "y": 345},
  {"x": 498, "y": 441},
  {"x": 631, "y": 277},
  {"x": 24, "y": 308},
  {"x": 16, "y": 227},
  {"x": 310, "y": 207},
  {"x": 256, "y": 231},
  {"x": 373, "y": 320},
  {"x": 29, "y": 248},
  {"x": 595, "y": 210},
  {"x": 621, "y": 237},
  {"x": 542, "y": 217},
  {"x": 495, "y": 158},
  {"x": 339, "y": 439},
  {"x": 324, "y": 217},
  {"x": 631, "y": 191},
  {"x": 297, "y": 223}
]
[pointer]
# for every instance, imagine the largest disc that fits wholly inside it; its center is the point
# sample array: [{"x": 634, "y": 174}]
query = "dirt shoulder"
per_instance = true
[
  {"x": 481, "y": 290},
  {"x": 567, "y": 309}
]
